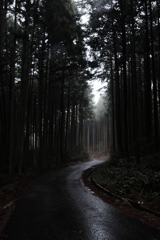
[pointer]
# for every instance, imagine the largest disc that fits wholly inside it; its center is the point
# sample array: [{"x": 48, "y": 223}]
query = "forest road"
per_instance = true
[{"x": 58, "y": 206}]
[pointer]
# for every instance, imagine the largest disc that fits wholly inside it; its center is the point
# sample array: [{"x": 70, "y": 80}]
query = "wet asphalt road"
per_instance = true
[{"x": 59, "y": 207}]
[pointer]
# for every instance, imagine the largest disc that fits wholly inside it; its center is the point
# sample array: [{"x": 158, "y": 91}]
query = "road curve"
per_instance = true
[{"x": 59, "y": 207}]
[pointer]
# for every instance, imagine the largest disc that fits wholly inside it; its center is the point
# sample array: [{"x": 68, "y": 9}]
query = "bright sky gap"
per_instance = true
[{"x": 97, "y": 84}]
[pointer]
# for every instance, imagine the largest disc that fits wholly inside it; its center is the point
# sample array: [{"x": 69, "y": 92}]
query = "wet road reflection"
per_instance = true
[{"x": 59, "y": 207}]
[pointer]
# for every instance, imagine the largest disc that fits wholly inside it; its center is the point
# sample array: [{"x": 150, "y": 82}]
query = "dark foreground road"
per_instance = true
[{"x": 59, "y": 207}]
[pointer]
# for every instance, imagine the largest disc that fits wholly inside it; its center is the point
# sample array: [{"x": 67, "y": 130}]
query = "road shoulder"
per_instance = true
[{"x": 125, "y": 207}]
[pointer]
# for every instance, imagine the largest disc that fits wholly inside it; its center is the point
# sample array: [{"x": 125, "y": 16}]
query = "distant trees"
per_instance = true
[
  {"x": 44, "y": 94},
  {"x": 99, "y": 128},
  {"x": 124, "y": 37}
]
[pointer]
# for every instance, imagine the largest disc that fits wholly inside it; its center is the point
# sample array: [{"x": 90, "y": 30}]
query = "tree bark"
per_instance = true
[
  {"x": 148, "y": 98},
  {"x": 124, "y": 55},
  {"x": 156, "y": 125}
]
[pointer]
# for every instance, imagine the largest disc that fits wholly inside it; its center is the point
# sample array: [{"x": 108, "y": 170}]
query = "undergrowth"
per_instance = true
[{"x": 139, "y": 182}]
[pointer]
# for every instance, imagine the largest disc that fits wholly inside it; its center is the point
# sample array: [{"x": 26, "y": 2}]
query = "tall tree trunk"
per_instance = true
[
  {"x": 62, "y": 118},
  {"x": 124, "y": 55},
  {"x": 118, "y": 99},
  {"x": 67, "y": 117},
  {"x": 50, "y": 117},
  {"x": 46, "y": 96},
  {"x": 40, "y": 101},
  {"x": 12, "y": 108},
  {"x": 113, "y": 107},
  {"x": 2, "y": 100},
  {"x": 23, "y": 93},
  {"x": 158, "y": 6},
  {"x": 148, "y": 98},
  {"x": 2, "y": 31},
  {"x": 134, "y": 81},
  {"x": 73, "y": 127},
  {"x": 156, "y": 127}
]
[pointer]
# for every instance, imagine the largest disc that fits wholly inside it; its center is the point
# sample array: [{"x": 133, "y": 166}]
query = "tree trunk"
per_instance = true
[
  {"x": 118, "y": 99},
  {"x": 113, "y": 108},
  {"x": 134, "y": 81},
  {"x": 23, "y": 98},
  {"x": 156, "y": 127},
  {"x": 2, "y": 30},
  {"x": 124, "y": 54},
  {"x": 12, "y": 108},
  {"x": 62, "y": 118},
  {"x": 148, "y": 98}
]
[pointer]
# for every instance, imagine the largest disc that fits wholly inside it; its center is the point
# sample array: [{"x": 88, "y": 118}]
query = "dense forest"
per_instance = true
[
  {"x": 45, "y": 98},
  {"x": 124, "y": 38},
  {"x": 47, "y": 58}
]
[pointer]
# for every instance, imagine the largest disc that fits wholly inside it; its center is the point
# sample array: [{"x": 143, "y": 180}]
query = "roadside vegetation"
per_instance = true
[{"x": 127, "y": 179}]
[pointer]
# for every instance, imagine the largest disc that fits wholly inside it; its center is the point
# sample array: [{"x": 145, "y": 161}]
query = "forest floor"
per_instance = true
[{"x": 13, "y": 188}]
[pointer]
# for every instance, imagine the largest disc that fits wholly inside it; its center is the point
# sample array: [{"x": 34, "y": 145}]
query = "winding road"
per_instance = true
[{"x": 58, "y": 206}]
